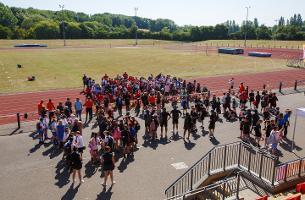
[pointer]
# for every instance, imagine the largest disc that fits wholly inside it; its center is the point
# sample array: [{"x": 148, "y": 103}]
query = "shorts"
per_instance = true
[
  {"x": 164, "y": 123},
  {"x": 175, "y": 121}
]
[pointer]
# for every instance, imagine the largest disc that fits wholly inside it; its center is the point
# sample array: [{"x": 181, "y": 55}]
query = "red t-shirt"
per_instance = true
[
  {"x": 89, "y": 104},
  {"x": 40, "y": 106},
  {"x": 50, "y": 106}
]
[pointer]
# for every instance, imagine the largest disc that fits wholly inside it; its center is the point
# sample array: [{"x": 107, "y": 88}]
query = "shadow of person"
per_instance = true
[
  {"x": 288, "y": 145},
  {"x": 164, "y": 141},
  {"x": 70, "y": 194},
  {"x": 34, "y": 135},
  {"x": 62, "y": 174},
  {"x": 214, "y": 141},
  {"x": 124, "y": 163},
  {"x": 90, "y": 169},
  {"x": 105, "y": 194},
  {"x": 195, "y": 135},
  {"x": 189, "y": 145},
  {"x": 175, "y": 137},
  {"x": 35, "y": 148},
  {"x": 204, "y": 132}
]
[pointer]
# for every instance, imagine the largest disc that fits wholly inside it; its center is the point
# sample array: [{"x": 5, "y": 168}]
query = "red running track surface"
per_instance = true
[{"x": 11, "y": 104}]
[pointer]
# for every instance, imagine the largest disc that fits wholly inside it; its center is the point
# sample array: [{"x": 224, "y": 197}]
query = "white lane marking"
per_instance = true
[{"x": 179, "y": 165}]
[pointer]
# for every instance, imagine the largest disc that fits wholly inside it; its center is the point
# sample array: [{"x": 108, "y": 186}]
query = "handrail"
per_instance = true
[
  {"x": 218, "y": 146},
  {"x": 209, "y": 163},
  {"x": 206, "y": 188}
]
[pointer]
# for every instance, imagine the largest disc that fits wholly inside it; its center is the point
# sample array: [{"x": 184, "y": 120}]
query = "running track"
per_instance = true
[{"x": 11, "y": 104}]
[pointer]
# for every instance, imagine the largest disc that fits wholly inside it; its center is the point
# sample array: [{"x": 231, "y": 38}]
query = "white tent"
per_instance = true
[{"x": 301, "y": 113}]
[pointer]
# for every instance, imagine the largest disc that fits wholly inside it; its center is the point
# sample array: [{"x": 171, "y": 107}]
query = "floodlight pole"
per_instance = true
[
  {"x": 136, "y": 34},
  {"x": 277, "y": 25},
  {"x": 246, "y": 26},
  {"x": 63, "y": 23}
]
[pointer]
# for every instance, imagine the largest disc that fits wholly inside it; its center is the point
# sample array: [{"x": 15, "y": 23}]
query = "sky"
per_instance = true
[{"x": 183, "y": 12}]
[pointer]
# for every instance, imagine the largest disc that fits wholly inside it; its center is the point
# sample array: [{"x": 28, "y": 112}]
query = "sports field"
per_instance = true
[{"x": 58, "y": 67}]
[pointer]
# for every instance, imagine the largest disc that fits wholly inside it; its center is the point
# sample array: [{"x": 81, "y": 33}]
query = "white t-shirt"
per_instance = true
[{"x": 78, "y": 141}]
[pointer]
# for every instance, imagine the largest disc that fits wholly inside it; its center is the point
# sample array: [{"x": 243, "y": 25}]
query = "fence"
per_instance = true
[
  {"x": 292, "y": 86},
  {"x": 241, "y": 45},
  {"x": 221, "y": 158},
  {"x": 223, "y": 189},
  {"x": 290, "y": 170}
]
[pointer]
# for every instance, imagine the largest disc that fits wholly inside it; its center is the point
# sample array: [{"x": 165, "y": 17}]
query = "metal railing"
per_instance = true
[
  {"x": 226, "y": 188},
  {"x": 221, "y": 158},
  {"x": 290, "y": 170}
]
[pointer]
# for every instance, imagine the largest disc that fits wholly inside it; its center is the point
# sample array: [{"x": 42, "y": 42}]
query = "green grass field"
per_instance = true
[{"x": 57, "y": 68}]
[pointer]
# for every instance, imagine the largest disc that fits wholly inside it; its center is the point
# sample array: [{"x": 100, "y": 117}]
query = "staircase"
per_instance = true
[{"x": 253, "y": 164}]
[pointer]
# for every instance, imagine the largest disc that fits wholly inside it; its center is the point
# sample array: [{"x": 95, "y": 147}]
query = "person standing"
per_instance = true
[
  {"x": 287, "y": 123},
  {"x": 40, "y": 106},
  {"x": 176, "y": 114},
  {"x": 53, "y": 128},
  {"x": 50, "y": 106},
  {"x": 68, "y": 104},
  {"x": 163, "y": 122},
  {"x": 78, "y": 106},
  {"x": 213, "y": 119},
  {"x": 187, "y": 125},
  {"x": 89, "y": 106},
  {"x": 108, "y": 165},
  {"x": 258, "y": 132},
  {"x": 119, "y": 105},
  {"x": 231, "y": 83},
  {"x": 78, "y": 143},
  {"x": 60, "y": 133},
  {"x": 76, "y": 165}
]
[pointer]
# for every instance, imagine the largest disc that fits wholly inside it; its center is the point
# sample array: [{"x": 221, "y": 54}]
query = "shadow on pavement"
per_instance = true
[
  {"x": 214, "y": 141},
  {"x": 52, "y": 152},
  {"x": 70, "y": 194},
  {"x": 105, "y": 194},
  {"x": 124, "y": 162},
  {"x": 35, "y": 148},
  {"x": 151, "y": 143},
  {"x": 189, "y": 145},
  {"x": 90, "y": 169},
  {"x": 175, "y": 137},
  {"x": 62, "y": 174}
]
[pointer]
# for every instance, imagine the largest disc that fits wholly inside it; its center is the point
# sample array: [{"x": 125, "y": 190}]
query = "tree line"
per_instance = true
[{"x": 30, "y": 23}]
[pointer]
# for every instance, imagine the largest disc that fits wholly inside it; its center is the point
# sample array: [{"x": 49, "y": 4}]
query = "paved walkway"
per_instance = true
[
  {"x": 31, "y": 172},
  {"x": 27, "y": 102}
]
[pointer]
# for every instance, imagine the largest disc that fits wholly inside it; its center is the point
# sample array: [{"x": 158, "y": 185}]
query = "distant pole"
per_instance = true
[
  {"x": 63, "y": 23},
  {"x": 136, "y": 35},
  {"x": 246, "y": 26},
  {"x": 277, "y": 24}
]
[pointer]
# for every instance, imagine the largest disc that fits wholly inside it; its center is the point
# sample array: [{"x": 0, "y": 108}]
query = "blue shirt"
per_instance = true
[
  {"x": 60, "y": 132},
  {"x": 78, "y": 105}
]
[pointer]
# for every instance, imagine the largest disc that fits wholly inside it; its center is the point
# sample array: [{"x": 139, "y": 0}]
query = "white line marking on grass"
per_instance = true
[{"x": 179, "y": 165}]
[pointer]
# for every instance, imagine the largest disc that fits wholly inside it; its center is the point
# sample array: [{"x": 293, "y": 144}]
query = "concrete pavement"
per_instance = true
[{"x": 29, "y": 171}]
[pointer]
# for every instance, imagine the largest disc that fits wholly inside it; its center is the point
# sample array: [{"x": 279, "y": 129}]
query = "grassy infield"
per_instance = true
[{"x": 58, "y": 67}]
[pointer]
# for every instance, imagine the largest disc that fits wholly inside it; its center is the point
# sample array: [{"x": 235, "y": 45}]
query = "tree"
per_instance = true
[
  {"x": 5, "y": 33},
  {"x": 263, "y": 33},
  {"x": 195, "y": 34},
  {"x": 7, "y": 17},
  {"x": 165, "y": 34},
  {"x": 255, "y": 23},
  {"x": 72, "y": 30},
  {"x": 45, "y": 30},
  {"x": 220, "y": 32}
]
